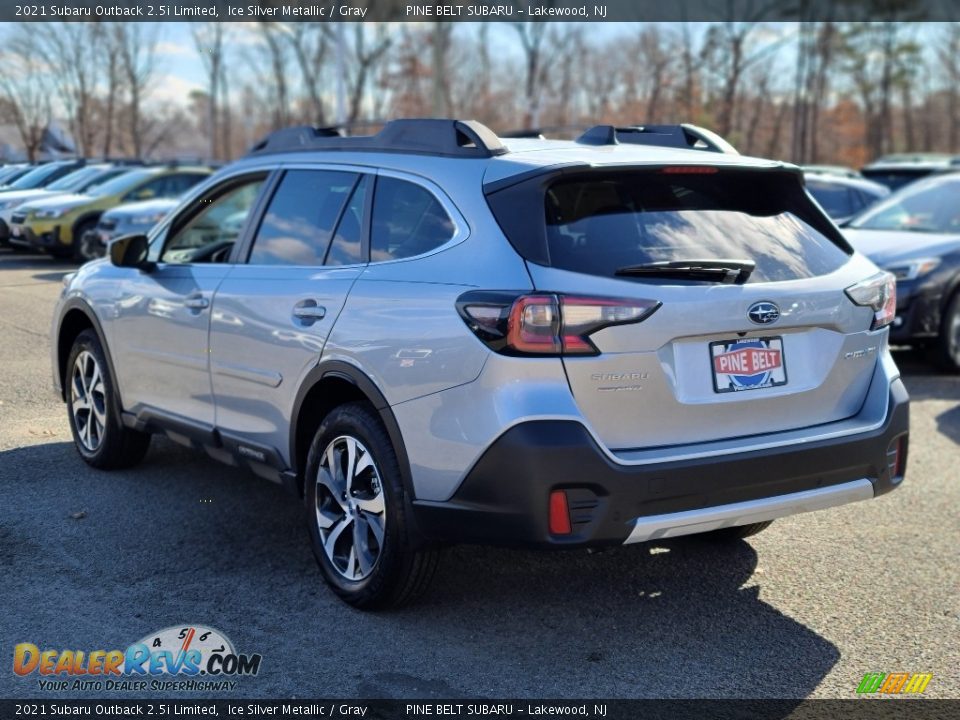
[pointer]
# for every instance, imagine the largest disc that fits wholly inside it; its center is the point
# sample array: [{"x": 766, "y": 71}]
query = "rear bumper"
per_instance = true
[{"x": 504, "y": 498}]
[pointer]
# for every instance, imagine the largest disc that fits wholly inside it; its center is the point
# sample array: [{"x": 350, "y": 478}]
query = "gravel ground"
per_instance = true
[{"x": 91, "y": 560}]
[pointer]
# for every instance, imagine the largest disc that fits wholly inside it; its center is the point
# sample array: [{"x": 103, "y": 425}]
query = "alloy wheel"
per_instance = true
[
  {"x": 88, "y": 401},
  {"x": 350, "y": 508}
]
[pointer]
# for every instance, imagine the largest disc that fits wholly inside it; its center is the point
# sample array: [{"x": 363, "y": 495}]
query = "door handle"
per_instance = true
[
  {"x": 309, "y": 311},
  {"x": 196, "y": 302}
]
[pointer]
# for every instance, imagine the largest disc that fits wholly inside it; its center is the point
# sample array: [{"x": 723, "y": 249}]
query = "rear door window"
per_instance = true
[
  {"x": 605, "y": 222},
  {"x": 300, "y": 219}
]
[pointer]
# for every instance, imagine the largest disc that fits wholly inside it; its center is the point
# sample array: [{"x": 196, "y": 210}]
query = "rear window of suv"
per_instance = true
[{"x": 602, "y": 222}]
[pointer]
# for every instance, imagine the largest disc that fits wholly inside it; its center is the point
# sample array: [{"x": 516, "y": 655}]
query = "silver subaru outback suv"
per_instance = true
[{"x": 432, "y": 335}]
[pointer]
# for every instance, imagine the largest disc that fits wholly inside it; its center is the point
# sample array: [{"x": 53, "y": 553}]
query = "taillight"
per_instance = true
[
  {"x": 546, "y": 323},
  {"x": 879, "y": 293}
]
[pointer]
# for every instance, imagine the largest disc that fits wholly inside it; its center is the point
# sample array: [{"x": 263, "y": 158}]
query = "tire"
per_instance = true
[
  {"x": 360, "y": 532},
  {"x": 76, "y": 250},
  {"x": 94, "y": 412},
  {"x": 946, "y": 350},
  {"x": 738, "y": 532}
]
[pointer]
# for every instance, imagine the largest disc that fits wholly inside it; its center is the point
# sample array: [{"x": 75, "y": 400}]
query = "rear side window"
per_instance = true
[
  {"x": 604, "y": 222},
  {"x": 299, "y": 221},
  {"x": 407, "y": 221}
]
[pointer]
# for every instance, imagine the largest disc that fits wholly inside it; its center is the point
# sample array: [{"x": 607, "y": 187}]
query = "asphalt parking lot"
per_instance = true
[{"x": 91, "y": 560}]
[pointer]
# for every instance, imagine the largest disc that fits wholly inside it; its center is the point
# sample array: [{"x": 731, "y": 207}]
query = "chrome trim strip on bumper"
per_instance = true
[{"x": 690, "y": 522}]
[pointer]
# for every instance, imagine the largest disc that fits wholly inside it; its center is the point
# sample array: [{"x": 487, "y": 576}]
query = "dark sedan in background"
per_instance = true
[
  {"x": 843, "y": 197},
  {"x": 915, "y": 234}
]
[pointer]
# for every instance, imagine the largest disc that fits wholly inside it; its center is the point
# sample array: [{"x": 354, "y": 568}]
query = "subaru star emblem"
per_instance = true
[{"x": 763, "y": 313}]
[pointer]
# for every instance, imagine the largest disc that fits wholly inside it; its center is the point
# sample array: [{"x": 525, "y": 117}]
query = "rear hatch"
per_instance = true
[{"x": 754, "y": 333}]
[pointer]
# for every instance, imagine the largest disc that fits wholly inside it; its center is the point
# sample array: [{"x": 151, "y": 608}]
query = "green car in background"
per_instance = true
[{"x": 57, "y": 224}]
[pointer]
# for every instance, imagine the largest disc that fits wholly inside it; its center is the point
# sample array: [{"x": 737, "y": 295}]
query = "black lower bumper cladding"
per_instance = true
[{"x": 504, "y": 498}]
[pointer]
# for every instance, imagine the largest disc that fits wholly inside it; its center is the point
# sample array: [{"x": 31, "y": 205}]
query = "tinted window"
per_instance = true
[
  {"x": 407, "y": 220},
  {"x": 39, "y": 176},
  {"x": 930, "y": 206},
  {"x": 833, "y": 198},
  {"x": 606, "y": 222},
  {"x": 301, "y": 216},
  {"x": 208, "y": 235},
  {"x": 125, "y": 182},
  {"x": 75, "y": 180},
  {"x": 180, "y": 183},
  {"x": 346, "y": 248}
]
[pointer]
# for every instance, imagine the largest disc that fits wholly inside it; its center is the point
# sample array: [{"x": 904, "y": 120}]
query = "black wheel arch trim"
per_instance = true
[
  {"x": 345, "y": 371},
  {"x": 76, "y": 303}
]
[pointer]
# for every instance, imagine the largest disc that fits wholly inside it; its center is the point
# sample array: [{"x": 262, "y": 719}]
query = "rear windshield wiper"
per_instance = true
[{"x": 722, "y": 271}]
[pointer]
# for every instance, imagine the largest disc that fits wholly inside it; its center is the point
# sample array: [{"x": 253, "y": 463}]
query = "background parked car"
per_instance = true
[
  {"x": 76, "y": 182},
  {"x": 10, "y": 173},
  {"x": 915, "y": 234},
  {"x": 127, "y": 219},
  {"x": 43, "y": 175},
  {"x": 838, "y": 170},
  {"x": 898, "y": 170},
  {"x": 56, "y": 225},
  {"x": 843, "y": 197}
]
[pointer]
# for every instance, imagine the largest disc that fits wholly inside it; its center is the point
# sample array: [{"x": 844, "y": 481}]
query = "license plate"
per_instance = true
[
  {"x": 15, "y": 231},
  {"x": 747, "y": 364}
]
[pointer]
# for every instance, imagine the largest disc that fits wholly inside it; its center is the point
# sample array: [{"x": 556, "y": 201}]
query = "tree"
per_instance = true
[
  {"x": 71, "y": 48},
  {"x": 210, "y": 41},
  {"x": 25, "y": 91},
  {"x": 136, "y": 45}
]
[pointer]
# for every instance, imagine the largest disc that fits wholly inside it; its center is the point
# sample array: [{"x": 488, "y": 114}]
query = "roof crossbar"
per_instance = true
[
  {"x": 679, "y": 136},
  {"x": 449, "y": 138}
]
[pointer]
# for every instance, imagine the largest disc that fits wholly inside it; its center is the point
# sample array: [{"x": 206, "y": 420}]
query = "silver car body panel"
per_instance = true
[{"x": 238, "y": 364}]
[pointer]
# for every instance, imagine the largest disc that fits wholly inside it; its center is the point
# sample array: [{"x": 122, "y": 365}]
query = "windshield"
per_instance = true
[
  {"x": 35, "y": 177},
  {"x": 75, "y": 180},
  {"x": 11, "y": 173},
  {"x": 927, "y": 207},
  {"x": 122, "y": 183},
  {"x": 599, "y": 224}
]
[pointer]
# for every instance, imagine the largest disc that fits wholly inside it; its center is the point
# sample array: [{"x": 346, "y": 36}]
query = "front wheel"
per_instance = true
[
  {"x": 357, "y": 516},
  {"x": 98, "y": 432}
]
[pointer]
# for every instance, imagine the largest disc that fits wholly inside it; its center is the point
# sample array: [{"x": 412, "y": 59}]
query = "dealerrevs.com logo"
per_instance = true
[{"x": 183, "y": 657}]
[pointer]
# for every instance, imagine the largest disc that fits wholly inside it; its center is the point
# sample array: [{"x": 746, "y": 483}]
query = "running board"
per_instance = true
[{"x": 691, "y": 522}]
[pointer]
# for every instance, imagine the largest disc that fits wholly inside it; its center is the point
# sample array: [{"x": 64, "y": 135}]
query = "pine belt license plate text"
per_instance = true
[{"x": 747, "y": 364}]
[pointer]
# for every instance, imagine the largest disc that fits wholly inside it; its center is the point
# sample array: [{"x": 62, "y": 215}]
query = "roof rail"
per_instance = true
[
  {"x": 452, "y": 138},
  {"x": 679, "y": 136}
]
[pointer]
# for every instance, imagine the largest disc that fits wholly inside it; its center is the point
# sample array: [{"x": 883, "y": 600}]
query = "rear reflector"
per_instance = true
[
  {"x": 897, "y": 457},
  {"x": 559, "y": 513}
]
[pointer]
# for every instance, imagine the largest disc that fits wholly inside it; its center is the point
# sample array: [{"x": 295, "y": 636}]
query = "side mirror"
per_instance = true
[{"x": 131, "y": 251}]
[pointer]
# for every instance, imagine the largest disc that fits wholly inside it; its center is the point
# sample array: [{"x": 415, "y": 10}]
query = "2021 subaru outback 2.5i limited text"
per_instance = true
[{"x": 434, "y": 338}]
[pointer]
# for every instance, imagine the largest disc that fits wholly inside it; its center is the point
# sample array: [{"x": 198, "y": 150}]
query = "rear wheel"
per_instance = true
[
  {"x": 946, "y": 351},
  {"x": 738, "y": 532},
  {"x": 98, "y": 432},
  {"x": 356, "y": 513}
]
